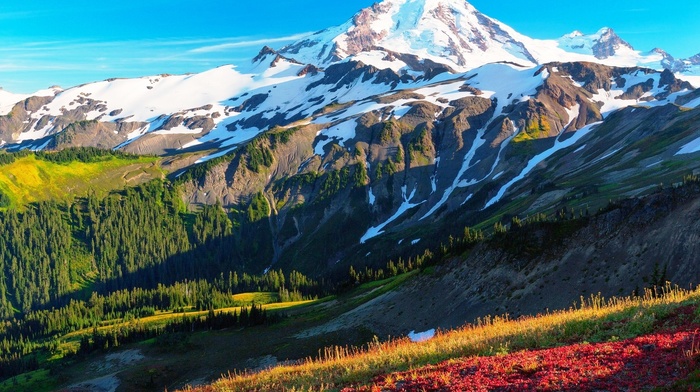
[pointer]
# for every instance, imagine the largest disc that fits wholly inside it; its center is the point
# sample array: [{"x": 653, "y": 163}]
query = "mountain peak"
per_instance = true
[
  {"x": 266, "y": 50},
  {"x": 609, "y": 44},
  {"x": 607, "y": 34},
  {"x": 603, "y": 44},
  {"x": 605, "y": 31},
  {"x": 400, "y": 34},
  {"x": 450, "y": 32}
]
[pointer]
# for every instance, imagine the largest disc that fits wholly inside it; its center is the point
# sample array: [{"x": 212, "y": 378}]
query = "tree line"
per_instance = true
[
  {"x": 67, "y": 155},
  {"x": 136, "y": 331},
  {"x": 66, "y": 266}
]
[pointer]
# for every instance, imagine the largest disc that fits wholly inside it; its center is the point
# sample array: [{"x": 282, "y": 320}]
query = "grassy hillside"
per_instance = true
[
  {"x": 654, "y": 338},
  {"x": 49, "y": 377},
  {"x": 29, "y": 179}
]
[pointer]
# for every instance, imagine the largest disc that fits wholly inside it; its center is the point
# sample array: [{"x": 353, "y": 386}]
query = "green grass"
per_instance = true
[
  {"x": 255, "y": 298},
  {"x": 72, "y": 339},
  {"x": 29, "y": 180},
  {"x": 36, "y": 381}
]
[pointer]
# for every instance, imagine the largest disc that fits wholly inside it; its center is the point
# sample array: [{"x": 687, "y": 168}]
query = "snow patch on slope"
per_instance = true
[
  {"x": 405, "y": 206},
  {"x": 8, "y": 100},
  {"x": 499, "y": 82},
  {"x": 690, "y": 148},
  {"x": 340, "y": 133},
  {"x": 537, "y": 159},
  {"x": 418, "y": 337}
]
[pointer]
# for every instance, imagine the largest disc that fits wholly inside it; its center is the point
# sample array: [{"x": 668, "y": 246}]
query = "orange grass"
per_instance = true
[{"x": 341, "y": 366}]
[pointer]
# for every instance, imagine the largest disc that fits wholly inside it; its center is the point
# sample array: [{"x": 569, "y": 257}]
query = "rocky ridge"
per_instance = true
[{"x": 370, "y": 130}]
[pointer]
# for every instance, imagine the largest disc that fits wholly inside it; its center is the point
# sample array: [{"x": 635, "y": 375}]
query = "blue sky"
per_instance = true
[{"x": 44, "y": 43}]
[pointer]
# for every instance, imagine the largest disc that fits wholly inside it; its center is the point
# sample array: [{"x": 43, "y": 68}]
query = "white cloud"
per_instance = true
[
  {"x": 247, "y": 43},
  {"x": 26, "y": 66}
]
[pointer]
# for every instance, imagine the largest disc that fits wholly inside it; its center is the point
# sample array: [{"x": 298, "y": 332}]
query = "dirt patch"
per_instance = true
[
  {"x": 117, "y": 361},
  {"x": 262, "y": 363},
  {"x": 547, "y": 199},
  {"x": 105, "y": 371},
  {"x": 108, "y": 383},
  {"x": 359, "y": 316}
]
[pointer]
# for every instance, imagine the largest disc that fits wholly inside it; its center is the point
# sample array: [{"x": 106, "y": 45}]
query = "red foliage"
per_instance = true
[{"x": 641, "y": 363}]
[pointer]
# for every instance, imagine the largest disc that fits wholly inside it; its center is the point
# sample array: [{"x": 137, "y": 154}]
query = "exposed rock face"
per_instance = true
[
  {"x": 264, "y": 52},
  {"x": 309, "y": 70},
  {"x": 448, "y": 158},
  {"x": 636, "y": 244},
  {"x": 15, "y": 122},
  {"x": 695, "y": 60},
  {"x": 251, "y": 103},
  {"x": 395, "y": 136},
  {"x": 344, "y": 74},
  {"x": 363, "y": 36},
  {"x": 93, "y": 134},
  {"x": 608, "y": 44},
  {"x": 450, "y": 30}
]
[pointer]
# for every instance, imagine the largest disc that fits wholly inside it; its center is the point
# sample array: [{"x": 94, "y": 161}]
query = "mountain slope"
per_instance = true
[
  {"x": 409, "y": 39},
  {"x": 596, "y": 346},
  {"x": 410, "y": 133},
  {"x": 413, "y": 113},
  {"x": 32, "y": 179},
  {"x": 459, "y": 145}
]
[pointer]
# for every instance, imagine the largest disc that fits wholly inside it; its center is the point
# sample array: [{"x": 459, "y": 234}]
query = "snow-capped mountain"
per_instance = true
[
  {"x": 411, "y": 112},
  {"x": 454, "y": 33},
  {"x": 450, "y": 32},
  {"x": 410, "y": 39},
  {"x": 603, "y": 44}
]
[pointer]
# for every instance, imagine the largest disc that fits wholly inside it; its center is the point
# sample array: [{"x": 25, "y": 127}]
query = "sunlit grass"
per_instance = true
[
  {"x": 596, "y": 319},
  {"x": 256, "y": 298},
  {"x": 162, "y": 318},
  {"x": 29, "y": 179}
]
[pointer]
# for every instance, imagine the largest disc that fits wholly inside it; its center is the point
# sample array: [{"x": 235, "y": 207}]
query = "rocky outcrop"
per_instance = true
[
  {"x": 93, "y": 134},
  {"x": 251, "y": 103},
  {"x": 344, "y": 74},
  {"x": 634, "y": 245},
  {"x": 309, "y": 70},
  {"x": 608, "y": 44},
  {"x": 672, "y": 84},
  {"x": 638, "y": 90},
  {"x": 264, "y": 52},
  {"x": 363, "y": 36}
]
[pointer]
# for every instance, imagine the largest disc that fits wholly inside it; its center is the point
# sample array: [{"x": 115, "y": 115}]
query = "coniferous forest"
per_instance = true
[
  {"x": 67, "y": 266},
  {"x": 98, "y": 264}
]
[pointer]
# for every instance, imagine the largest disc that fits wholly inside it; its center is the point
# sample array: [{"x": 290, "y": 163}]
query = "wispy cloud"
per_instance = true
[
  {"x": 74, "y": 61},
  {"x": 19, "y": 15},
  {"x": 15, "y": 67},
  {"x": 247, "y": 43}
]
